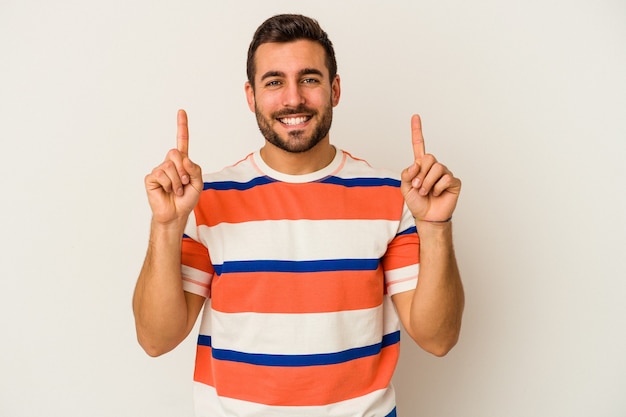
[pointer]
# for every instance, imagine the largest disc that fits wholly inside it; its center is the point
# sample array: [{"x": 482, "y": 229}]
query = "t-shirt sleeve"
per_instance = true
[
  {"x": 196, "y": 267},
  {"x": 401, "y": 261}
]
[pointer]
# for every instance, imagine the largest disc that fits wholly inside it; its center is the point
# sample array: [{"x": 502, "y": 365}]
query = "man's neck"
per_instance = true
[{"x": 300, "y": 163}]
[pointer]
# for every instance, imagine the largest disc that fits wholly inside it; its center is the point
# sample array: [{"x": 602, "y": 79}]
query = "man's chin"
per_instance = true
[{"x": 294, "y": 143}]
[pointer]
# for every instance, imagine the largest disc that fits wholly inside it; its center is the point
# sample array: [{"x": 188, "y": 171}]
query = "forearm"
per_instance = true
[
  {"x": 159, "y": 302},
  {"x": 438, "y": 300}
]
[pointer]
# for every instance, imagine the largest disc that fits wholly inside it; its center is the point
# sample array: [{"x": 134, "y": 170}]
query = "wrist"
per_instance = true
[
  {"x": 172, "y": 228},
  {"x": 448, "y": 220},
  {"x": 432, "y": 233},
  {"x": 434, "y": 228}
]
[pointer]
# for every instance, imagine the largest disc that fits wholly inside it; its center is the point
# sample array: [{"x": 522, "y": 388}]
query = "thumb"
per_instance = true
[{"x": 195, "y": 174}]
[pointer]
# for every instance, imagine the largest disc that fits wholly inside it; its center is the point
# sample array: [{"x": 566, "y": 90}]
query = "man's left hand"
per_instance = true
[{"x": 429, "y": 188}]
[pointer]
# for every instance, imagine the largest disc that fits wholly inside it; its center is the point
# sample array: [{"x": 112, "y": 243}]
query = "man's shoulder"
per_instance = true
[
  {"x": 359, "y": 167},
  {"x": 241, "y": 171}
]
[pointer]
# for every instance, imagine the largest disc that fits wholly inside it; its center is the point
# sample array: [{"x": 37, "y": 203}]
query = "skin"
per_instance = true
[{"x": 292, "y": 79}]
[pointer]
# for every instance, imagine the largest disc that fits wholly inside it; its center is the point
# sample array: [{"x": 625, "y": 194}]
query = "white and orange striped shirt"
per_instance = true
[{"x": 298, "y": 272}]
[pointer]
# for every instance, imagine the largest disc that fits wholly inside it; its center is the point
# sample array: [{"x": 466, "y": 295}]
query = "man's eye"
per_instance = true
[
  {"x": 310, "y": 81},
  {"x": 272, "y": 83}
]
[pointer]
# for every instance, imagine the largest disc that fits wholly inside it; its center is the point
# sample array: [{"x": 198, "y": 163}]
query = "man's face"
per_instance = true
[{"x": 293, "y": 95}]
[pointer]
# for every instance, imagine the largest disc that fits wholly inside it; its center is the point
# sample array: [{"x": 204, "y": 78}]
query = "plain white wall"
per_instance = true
[{"x": 524, "y": 100}]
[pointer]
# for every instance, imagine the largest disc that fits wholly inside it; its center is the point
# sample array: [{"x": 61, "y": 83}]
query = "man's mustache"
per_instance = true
[{"x": 296, "y": 110}]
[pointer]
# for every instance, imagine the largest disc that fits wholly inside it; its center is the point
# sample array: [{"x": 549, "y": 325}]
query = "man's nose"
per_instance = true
[{"x": 292, "y": 95}]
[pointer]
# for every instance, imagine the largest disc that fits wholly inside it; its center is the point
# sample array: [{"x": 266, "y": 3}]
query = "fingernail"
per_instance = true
[
  {"x": 423, "y": 191},
  {"x": 416, "y": 183},
  {"x": 179, "y": 191},
  {"x": 185, "y": 179}
]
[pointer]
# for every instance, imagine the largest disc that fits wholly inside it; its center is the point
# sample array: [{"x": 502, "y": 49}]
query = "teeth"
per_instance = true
[{"x": 293, "y": 120}]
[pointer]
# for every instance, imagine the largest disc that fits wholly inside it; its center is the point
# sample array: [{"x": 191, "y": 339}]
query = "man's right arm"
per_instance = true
[{"x": 164, "y": 313}]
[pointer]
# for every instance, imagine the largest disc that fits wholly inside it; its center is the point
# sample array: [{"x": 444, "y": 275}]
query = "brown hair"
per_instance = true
[{"x": 288, "y": 28}]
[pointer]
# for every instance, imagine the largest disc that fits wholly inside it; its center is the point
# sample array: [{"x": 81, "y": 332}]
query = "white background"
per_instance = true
[{"x": 524, "y": 100}]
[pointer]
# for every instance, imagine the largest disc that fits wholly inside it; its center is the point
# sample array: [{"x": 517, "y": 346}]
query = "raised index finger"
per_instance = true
[
  {"x": 417, "y": 138},
  {"x": 182, "y": 133}
]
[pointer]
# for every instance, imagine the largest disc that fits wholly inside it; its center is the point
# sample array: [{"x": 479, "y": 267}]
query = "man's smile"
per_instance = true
[{"x": 293, "y": 121}]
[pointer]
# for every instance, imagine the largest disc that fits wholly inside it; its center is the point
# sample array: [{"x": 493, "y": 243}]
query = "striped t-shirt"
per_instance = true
[{"x": 298, "y": 272}]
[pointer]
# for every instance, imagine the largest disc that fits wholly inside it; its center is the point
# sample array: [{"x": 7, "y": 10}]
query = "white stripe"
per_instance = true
[
  {"x": 402, "y": 286},
  {"x": 401, "y": 279},
  {"x": 400, "y": 274},
  {"x": 196, "y": 281},
  {"x": 296, "y": 334},
  {"x": 391, "y": 321},
  {"x": 301, "y": 178},
  {"x": 324, "y": 239},
  {"x": 361, "y": 169},
  {"x": 190, "y": 228},
  {"x": 209, "y": 404},
  {"x": 243, "y": 172}
]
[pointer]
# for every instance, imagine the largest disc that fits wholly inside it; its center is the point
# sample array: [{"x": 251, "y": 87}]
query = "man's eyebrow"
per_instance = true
[
  {"x": 270, "y": 74},
  {"x": 310, "y": 71},
  {"x": 304, "y": 71}
]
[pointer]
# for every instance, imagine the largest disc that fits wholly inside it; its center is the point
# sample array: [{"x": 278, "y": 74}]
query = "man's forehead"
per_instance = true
[{"x": 296, "y": 56}]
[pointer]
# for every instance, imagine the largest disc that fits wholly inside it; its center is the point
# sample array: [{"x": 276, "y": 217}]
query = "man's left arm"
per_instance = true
[{"x": 432, "y": 312}]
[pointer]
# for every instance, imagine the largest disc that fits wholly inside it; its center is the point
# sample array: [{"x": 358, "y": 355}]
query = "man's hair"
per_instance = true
[{"x": 289, "y": 28}]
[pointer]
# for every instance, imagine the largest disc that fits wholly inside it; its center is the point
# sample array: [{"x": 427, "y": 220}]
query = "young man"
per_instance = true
[{"x": 300, "y": 254}]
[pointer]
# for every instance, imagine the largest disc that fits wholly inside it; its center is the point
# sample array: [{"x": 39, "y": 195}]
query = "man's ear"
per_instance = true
[
  {"x": 336, "y": 90},
  {"x": 250, "y": 96}
]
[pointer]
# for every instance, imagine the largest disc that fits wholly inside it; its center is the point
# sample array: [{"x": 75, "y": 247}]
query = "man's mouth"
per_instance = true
[{"x": 293, "y": 121}]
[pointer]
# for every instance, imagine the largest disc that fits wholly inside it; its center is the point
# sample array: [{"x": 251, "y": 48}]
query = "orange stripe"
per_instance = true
[
  {"x": 314, "y": 292},
  {"x": 196, "y": 255},
  {"x": 314, "y": 201},
  {"x": 406, "y": 250},
  {"x": 203, "y": 372},
  {"x": 297, "y": 386}
]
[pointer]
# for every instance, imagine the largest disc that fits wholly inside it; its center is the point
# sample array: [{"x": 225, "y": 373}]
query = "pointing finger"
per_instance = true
[
  {"x": 182, "y": 133},
  {"x": 417, "y": 139}
]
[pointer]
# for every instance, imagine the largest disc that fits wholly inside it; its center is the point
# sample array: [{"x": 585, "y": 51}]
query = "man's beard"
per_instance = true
[{"x": 296, "y": 142}]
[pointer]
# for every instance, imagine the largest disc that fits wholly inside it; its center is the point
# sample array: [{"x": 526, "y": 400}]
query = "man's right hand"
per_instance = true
[{"x": 174, "y": 186}]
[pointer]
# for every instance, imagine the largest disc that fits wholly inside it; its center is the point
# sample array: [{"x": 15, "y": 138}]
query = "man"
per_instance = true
[{"x": 300, "y": 254}]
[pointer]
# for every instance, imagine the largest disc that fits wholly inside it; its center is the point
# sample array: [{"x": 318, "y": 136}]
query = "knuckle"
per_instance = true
[
  {"x": 155, "y": 172},
  {"x": 173, "y": 153},
  {"x": 167, "y": 165},
  {"x": 160, "y": 175}
]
